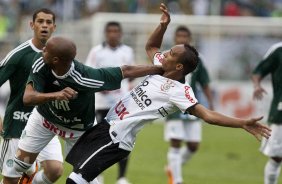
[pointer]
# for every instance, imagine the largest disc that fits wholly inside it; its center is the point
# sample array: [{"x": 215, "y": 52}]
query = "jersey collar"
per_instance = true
[
  {"x": 66, "y": 74},
  {"x": 33, "y": 46}
]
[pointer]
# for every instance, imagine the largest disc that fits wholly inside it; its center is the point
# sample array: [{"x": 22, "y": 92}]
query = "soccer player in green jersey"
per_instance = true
[
  {"x": 271, "y": 64},
  {"x": 185, "y": 128},
  {"x": 63, "y": 91},
  {"x": 16, "y": 67}
]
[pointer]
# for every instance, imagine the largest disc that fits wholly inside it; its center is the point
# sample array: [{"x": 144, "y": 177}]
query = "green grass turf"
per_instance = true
[{"x": 226, "y": 156}]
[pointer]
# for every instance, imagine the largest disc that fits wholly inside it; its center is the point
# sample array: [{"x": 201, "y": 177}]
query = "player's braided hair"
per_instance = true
[{"x": 189, "y": 59}]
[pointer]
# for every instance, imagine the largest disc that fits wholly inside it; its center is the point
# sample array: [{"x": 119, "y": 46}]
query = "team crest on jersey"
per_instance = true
[
  {"x": 10, "y": 162},
  {"x": 165, "y": 87}
]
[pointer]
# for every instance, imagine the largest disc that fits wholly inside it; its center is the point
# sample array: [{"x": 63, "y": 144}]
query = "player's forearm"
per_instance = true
[
  {"x": 36, "y": 98},
  {"x": 156, "y": 38},
  {"x": 216, "y": 118},
  {"x": 256, "y": 79},
  {"x": 131, "y": 71}
]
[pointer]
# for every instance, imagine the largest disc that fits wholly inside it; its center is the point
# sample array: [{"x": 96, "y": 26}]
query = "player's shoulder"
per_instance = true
[
  {"x": 17, "y": 52},
  {"x": 277, "y": 47}
]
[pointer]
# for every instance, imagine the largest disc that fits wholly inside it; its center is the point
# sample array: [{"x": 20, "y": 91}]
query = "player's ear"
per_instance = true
[
  {"x": 179, "y": 66},
  {"x": 31, "y": 24}
]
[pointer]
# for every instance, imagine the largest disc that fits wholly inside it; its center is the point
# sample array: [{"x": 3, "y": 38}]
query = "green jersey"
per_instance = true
[
  {"x": 15, "y": 67},
  {"x": 78, "y": 113},
  {"x": 198, "y": 76},
  {"x": 272, "y": 64}
]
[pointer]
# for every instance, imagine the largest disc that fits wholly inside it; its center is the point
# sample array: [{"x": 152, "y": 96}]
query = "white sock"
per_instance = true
[
  {"x": 271, "y": 172},
  {"x": 186, "y": 154},
  {"x": 174, "y": 162},
  {"x": 95, "y": 181},
  {"x": 77, "y": 178},
  {"x": 31, "y": 169},
  {"x": 41, "y": 178}
]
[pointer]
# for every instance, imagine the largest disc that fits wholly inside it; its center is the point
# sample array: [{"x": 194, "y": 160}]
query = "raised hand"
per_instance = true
[
  {"x": 165, "y": 18},
  {"x": 258, "y": 130}
]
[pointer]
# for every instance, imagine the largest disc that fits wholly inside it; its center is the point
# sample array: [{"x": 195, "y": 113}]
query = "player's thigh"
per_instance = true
[
  {"x": 8, "y": 150},
  {"x": 272, "y": 147},
  {"x": 174, "y": 129},
  {"x": 193, "y": 131},
  {"x": 35, "y": 135},
  {"x": 52, "y": 151}
]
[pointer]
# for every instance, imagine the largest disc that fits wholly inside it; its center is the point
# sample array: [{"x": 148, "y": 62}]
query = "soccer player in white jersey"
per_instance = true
[
  {"x": 111, "y": 53},
  {"x": 155, "y": 97}
]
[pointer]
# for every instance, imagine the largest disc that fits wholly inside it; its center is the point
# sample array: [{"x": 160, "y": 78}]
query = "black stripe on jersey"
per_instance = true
[
  {"x": 3, "y": 152},
  {"x": 163, "y": 112},
  {"x": 12, "y": 52},
  {"x": 82, "y": 81},
  {"x": 38, "y": 64}
]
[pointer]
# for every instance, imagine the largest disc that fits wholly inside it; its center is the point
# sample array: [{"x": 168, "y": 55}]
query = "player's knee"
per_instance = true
[
  {"x": 53, "y": 170},
  {"x": 21, "y": 166},
  {"x": 193, "y": 147}
]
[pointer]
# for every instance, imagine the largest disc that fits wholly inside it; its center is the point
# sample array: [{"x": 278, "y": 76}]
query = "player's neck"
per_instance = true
[
  {"x": 174, "y": 75},
  {"x": 38, "y": 43}
]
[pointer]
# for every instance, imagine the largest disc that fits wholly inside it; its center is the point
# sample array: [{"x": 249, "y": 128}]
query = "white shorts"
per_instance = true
[
  {"x": 273, "y": 146},
  {"x": 38, "y": 132},
  {"x": 52, "y": 151},
  {"x": 187, "y": 131}
]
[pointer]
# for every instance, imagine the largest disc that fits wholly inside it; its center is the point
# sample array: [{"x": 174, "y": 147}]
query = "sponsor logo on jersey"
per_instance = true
[
  {"x": 187, "y": 94},
  {"x": 56, "y": 130},
  {"x": 140, "y": 96},
  {"x": 22, "y": 116},
  {"x": 121, "y": 110},
  {"x": 56, "y": 83},
  {"x": 165, "y": 87}
]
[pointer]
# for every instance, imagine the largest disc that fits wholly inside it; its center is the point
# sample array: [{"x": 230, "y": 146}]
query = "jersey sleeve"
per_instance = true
[
  {"x": 268, "y": 64},
  {"x": 36, "y": 76},
  {"x": 183, "y": 97},
  {"x": 7, "y": 67},
  {"x": 110, "y": 77},
  {"x": 158, "y": 58}
]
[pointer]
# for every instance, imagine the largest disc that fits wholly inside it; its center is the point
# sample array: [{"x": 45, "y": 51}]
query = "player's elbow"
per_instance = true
[{"x": 27, "y": 100}]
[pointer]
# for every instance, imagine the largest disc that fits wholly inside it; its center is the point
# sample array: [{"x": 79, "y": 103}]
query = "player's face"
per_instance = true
[
  {"x": 48, "y": 57},
  {"x": 113, "y": 35},
  {"x": 172, "y": 57},
  {"x": 182, "y": 37},
  {"x": 43, "y": 26}
]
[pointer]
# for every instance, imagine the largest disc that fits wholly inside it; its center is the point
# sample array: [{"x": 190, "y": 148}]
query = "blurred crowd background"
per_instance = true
[{"x": 233, "y": 35}]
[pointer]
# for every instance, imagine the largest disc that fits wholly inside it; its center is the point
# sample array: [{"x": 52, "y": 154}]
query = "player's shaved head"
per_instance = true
[{"x": 62, "y": 48}]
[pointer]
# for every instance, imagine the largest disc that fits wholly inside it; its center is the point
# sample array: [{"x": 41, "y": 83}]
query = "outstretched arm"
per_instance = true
[
  {"x": 131, "y": 71},
  {"x": 250, "y": 125},
  {"x": 154, "y": 42},
  {"x": 258, "y": 89},
  {"x": 32, "y": 97}
]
